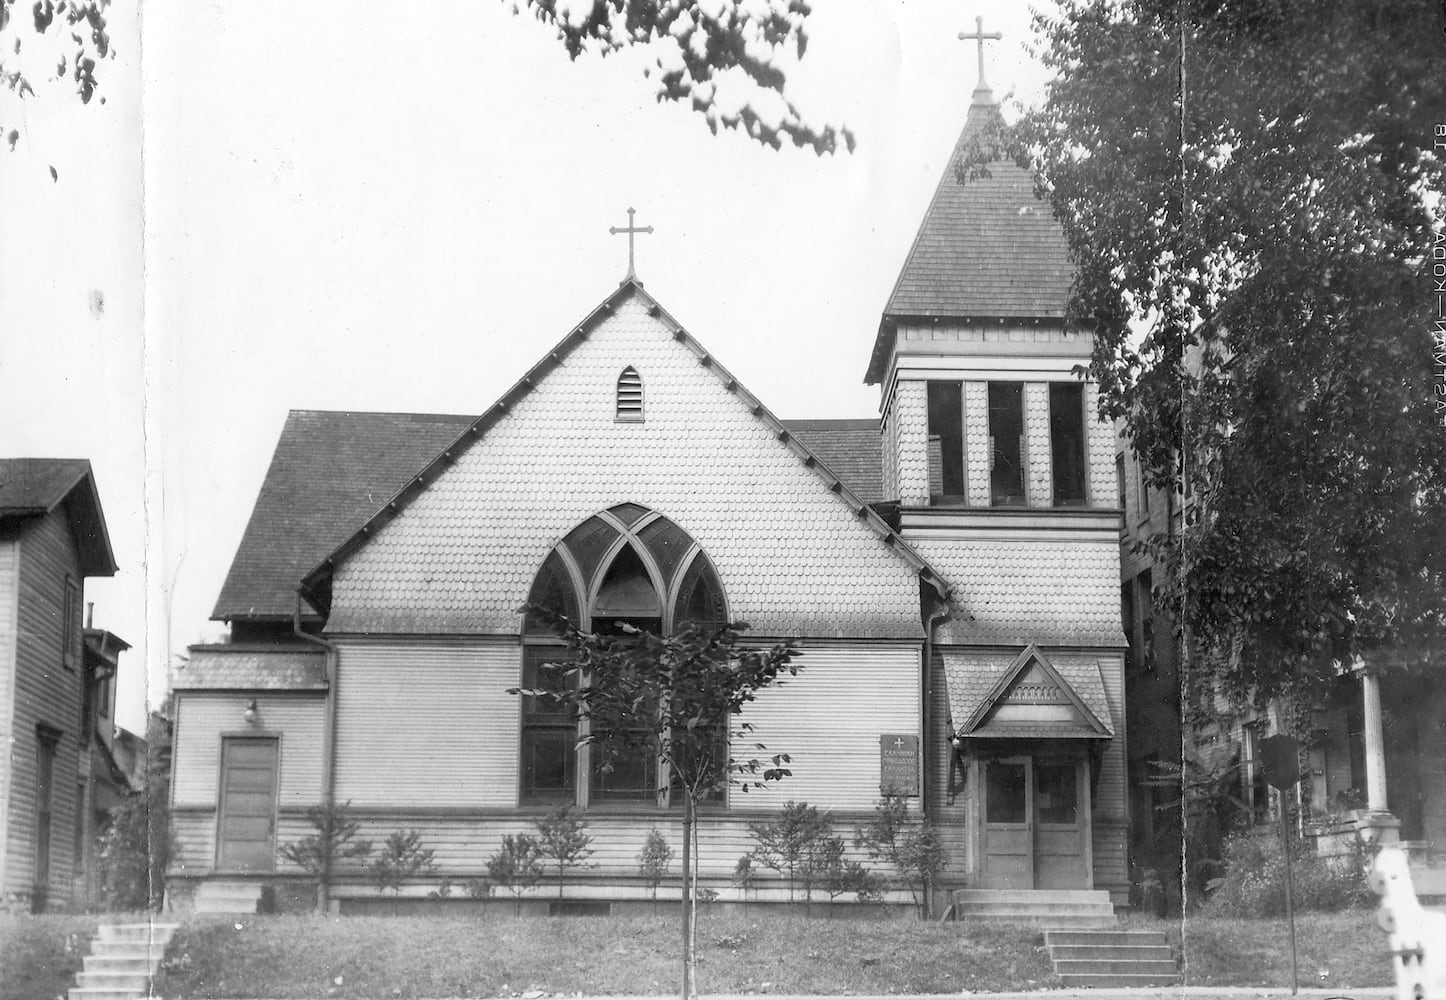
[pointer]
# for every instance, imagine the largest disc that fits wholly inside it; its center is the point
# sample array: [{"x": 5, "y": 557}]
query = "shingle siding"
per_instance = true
[{"x": 792, "y": 556}]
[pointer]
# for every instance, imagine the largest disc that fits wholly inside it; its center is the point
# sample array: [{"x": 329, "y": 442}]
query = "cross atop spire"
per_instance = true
[
  {"x": 630, "y": 229},
  {"x": 982, "y": 93}
]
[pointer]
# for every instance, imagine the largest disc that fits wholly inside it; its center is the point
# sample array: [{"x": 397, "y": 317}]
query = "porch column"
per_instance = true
[{"x": 1375, "y": 741}]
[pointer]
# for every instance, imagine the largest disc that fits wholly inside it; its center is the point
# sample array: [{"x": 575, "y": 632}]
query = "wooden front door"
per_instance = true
[
  {"x": 1007, "y": 811},
  {"x": 1034, "y": 823},
  {"x": 246, "y": 825}
]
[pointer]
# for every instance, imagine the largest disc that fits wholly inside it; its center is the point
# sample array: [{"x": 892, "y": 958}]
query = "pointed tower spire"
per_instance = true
[{"x": 983, "y": 96}]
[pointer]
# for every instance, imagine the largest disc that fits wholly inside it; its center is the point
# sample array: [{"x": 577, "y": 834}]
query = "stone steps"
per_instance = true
[
  {"x": 227, "y": 897},
  {"x": 1112, "y": 958},
  {"x": 1050, "y": 907},
  {"x": 122, "y": 962}
]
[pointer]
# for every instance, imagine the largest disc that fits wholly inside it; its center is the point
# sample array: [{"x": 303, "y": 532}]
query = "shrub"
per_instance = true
[
  {"x": 1254, "y": 881},
  {"x": 792, "y": 844},
  {"x": 334, "y": 841},
  {"x": 562, "y": 839},
  {"x": 653, "y": 861},
  {"x": 402, "y": 857},
  {"x": 516, "y": 865},
  {"x": 138, "y": 844},
  {"x": 912, "y": 849}
]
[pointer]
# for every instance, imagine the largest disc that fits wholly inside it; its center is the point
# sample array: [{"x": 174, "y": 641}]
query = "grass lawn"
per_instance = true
[
  {"x": 379, "y": 957},
  {"x": 1334, "y": 950},
  {"x": 39, "y": 956}
]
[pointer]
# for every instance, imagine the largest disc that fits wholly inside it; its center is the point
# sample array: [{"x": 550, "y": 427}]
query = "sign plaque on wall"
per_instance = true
[{"x": 898, "y": 764}]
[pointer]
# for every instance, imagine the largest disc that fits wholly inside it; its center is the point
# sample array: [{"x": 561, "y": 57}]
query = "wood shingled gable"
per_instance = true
[
  {"x": 316, "y": 583},
  {"x": 987, "y": 250},
  {"x": 1031, "y": 655}
]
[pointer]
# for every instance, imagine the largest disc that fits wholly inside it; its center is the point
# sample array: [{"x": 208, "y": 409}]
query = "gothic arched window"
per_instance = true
[{"x": 627, "y": 565}]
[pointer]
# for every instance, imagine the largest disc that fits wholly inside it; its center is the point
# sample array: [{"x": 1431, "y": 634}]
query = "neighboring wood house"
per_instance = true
[
  {"x": 950, "y": 570},
  {"x": 52, "y": 678}
]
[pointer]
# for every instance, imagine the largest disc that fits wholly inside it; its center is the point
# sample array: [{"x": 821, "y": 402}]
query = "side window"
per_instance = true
[
  {"x": 549, "y": 735},
  {"x": 1067, "y": 443},
  {"x": 630, "y": 396}
]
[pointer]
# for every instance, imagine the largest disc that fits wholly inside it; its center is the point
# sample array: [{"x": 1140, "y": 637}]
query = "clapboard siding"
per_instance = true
[
  {"x": 46, "y": 693},
  {"x": 427, "y": 725},
  {"x": 829, "y": 719},
  {"x": 203, "y": 719},
  {"x": 462, "y": 845},
  {"x": 9, "y": 595},
  {"x": 195, "y": 834}
]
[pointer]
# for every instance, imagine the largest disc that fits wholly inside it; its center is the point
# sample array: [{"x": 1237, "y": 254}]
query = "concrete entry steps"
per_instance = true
[
  {"x": 1112, "y": 959},
  {"x": 1062, "y": 908},
  {"x": 227, "y": 897},
  {"x": 123, "y": 958}
]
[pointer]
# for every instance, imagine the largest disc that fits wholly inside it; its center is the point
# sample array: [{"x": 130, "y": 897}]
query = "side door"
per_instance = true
[{"x": 246, "y": 819}]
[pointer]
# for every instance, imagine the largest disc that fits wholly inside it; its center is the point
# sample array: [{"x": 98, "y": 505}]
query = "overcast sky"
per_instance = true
[{"x": 385, "y": 207}]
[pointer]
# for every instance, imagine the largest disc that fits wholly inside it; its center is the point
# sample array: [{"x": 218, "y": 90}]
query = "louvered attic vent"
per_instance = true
[{"x": 630, "y": 395}]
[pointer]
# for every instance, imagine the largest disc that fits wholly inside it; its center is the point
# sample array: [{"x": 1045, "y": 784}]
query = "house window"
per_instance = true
[
  {"x": 1006, "y": 443},
  {"x": 626, "y": 567},
  {"x": 1120, "y": 481},
  {"x": 630, "y": 396},
  {"x": 946, "y": 442},
  {"x": 70, "y": 637},
  {"x": 1255, "y": 791},
  {"x": 1127, "y": 619},
  {"x": 1067, "y": 443},
  {"x": 1144, "y": 492}
]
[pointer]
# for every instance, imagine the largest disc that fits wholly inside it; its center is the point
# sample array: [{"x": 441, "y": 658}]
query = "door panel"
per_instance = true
[
  {"x": 246, "y": 823},
  {"x": 1059, "y": 859},
  {"x": 1008, "y": 835}
]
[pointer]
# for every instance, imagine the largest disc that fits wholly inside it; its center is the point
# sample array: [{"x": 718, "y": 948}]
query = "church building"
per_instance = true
[{"x": 950, "y": 571}]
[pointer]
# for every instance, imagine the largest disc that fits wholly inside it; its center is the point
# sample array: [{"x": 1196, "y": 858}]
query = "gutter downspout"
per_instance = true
[
  {"x": 328, "y": 744},
  {"x": 932, "y": 616}
]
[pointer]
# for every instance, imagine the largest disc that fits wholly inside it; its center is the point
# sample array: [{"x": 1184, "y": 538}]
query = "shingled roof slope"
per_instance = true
[
  {"x": 331, "y": 471},
  {"x": 851, "y": 449},
  {"x": 987, "y": 248},
  {"x": 36, "y": 485},
  {"x": 30, "y": 487}
]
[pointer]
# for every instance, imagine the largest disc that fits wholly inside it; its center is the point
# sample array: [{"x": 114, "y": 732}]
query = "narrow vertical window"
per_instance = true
[
  {"x": 1006, "y": 443},
  {"x": 549, "y": 733},
  {"x": 47, "y": 740},
  {"x": 1066, "y": 443},
  {"x": 946, "y": 442},
  {"x": 1120, "y": 481},
  {"x": 70, "y": 624},
  {"x": 630, "y": 396}
]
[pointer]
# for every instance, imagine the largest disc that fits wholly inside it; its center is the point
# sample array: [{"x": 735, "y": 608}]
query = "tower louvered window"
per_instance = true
[{"x": 630, "y": 395}]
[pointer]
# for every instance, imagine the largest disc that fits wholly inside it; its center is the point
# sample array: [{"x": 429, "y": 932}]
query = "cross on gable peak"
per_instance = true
[
  {"x": 982, "y": 93},
  {"x": 631, "y": 230}
]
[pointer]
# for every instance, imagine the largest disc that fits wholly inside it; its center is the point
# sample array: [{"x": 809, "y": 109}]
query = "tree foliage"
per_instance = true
[
  {"x": 675, "y": 698},
  {"x": 137, "y": 844},
  {"x": 722, "y": 58},
  {"x": 70, "y": 36},
  {"x": 333, "y": 842},
  {"x": 1245, "y": 190}
]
